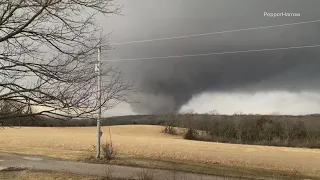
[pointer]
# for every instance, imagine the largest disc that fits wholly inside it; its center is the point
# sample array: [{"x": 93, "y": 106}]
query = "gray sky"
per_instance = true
[{"x": 262, "y": 82}]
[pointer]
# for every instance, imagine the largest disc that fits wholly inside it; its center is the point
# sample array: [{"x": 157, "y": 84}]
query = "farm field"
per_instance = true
[{"x": 147, "y": 141}]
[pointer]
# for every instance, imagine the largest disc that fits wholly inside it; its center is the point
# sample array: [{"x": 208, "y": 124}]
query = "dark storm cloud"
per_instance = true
[{"x": 170, "y": 83}]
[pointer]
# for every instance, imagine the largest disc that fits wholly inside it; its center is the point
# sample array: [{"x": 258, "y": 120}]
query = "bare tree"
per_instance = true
[{"x": 47, "y": 57}]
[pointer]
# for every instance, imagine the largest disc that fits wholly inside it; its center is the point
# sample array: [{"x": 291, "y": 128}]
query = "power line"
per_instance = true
[
  {"x": 216, "y": 53},
  {"x": 218, "y": 32}
]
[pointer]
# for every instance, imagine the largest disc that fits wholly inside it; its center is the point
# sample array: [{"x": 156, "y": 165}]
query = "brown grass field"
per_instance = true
[{"x": 147, "y": 141}]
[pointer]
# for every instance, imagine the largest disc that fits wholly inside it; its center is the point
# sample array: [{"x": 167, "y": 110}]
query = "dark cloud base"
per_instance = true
[
  {"x": 294, "y": 70},
  {"x": 168, "y": 84}
]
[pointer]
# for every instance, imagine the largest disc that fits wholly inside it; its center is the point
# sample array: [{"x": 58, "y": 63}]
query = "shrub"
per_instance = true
[
  {"x": 170, "y": 130},
  {"x": 190, "y": 134},
  {"x": 108, "y": 151}
]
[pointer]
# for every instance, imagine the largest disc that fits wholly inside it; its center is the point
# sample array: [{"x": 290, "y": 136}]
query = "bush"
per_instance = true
[
  {"x": 108, "y": 151},
  {"x": 190, "y": 134},
  {"x": 170, "y": 130}
]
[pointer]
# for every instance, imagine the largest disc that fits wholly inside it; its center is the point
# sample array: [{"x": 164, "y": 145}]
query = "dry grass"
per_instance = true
[
  {"x": 149, "y": 142},
  {"x": 41, "y": 175}
]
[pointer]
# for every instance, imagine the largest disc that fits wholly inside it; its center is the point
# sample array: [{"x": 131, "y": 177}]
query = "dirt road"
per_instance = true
[{"x": 8, "y": 160}]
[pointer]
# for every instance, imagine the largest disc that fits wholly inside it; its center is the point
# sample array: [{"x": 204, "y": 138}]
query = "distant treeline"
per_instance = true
[
  {"x": 43, "y": 121},
  {"x": 274, "y": 130}
]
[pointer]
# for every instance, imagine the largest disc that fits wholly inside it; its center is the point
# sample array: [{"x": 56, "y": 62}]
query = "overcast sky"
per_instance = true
[{"x": 286, "y": 82}]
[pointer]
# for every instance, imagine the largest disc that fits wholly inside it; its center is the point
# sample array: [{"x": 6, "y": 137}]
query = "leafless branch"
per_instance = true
[{"x": 47, "y": 56}]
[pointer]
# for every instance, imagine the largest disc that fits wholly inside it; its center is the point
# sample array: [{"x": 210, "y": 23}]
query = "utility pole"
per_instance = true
[{"x": 97, "y": 69}]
